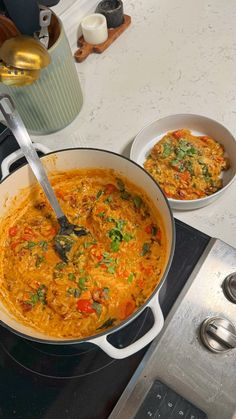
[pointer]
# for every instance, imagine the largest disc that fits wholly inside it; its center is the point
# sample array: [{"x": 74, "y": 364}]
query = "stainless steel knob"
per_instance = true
[
  {"x": 229, "y": 286},
  {"x": 218, "y": 334}
]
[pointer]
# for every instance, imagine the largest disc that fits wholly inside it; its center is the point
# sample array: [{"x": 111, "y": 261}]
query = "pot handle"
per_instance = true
[
  {"x": 16, "y": 155},
  {"x": 116, "y": 353}
]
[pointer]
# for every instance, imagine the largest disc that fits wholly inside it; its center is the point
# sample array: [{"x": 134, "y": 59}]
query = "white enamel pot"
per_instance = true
[{"x": 84, "y": 158}]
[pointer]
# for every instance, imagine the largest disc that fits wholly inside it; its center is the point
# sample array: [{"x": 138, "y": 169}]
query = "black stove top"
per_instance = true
[{"x": 39, "y": 381}]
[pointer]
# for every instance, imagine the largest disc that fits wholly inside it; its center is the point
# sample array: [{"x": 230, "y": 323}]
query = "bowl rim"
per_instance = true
[{"x": 193, "y": 115}]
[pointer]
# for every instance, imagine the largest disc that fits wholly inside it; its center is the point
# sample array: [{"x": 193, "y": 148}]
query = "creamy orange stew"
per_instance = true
[
  {"x": 187, "y": 166},
  {"x": 110, "y": 272}
]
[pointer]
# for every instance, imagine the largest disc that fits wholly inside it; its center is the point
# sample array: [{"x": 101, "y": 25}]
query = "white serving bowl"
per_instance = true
[{"x": 198, "y": 125}]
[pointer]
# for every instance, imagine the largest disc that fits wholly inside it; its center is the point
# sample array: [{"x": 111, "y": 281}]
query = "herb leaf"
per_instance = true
[
  {"x": 99, "y": 193},
  {"x": 44, "y": 245},
  {"x": 101, "y": 214},
  {"x": 127, "y": 237},
  {"x": 81, "y": 283},
  {"x": 30, "y": 245},
  {"x": 120, "y": 184},
  {"x": 106, "y": 293},
  {"x": 137, "y": 201},
  {"x": 40, "y": 295},
  {"x": 145, "y": 249},
  {"x": 39, "y": 260},
  {"x": 125, "y": 195},
  {"x": 166, "y": 150},
  {"x": 131, "y": 278},
  {"x": 88, "y": 244},
  {"x": 108, "y": 200},
  {"x": 111, "y": 269},
  {"x": 154, "y": 231},
  {"x": 115, "y": 245},
  {"x": 71, "y": 276},
  {"x": 59, "y": 266},
  {"x": 108, "y": 323},
  {"x": 75, "y": 292},
  {"x": 97, "y": 307}
]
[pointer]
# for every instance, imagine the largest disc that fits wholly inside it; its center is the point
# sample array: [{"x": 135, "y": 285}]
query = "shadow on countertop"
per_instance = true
[{"x": 126, "y": 151}]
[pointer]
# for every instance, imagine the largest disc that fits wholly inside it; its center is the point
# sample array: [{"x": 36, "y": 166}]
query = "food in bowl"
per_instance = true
[
  {"x": 187, "y": 166},
  {"x": 110, "y": 272}
]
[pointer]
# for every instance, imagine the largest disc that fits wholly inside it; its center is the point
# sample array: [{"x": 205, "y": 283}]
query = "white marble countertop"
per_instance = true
[{"x": 176, "y": 57}]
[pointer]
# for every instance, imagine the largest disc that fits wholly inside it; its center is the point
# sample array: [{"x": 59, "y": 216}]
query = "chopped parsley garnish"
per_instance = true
[
  {"x": 108, "y": 323},
  {"x": 137, "y": 201},
  {"x": 71, "y": 276},
  {"x": 120, "y": 224},
  {"x": 106, "y": 293},
  {"x": 75, "y": 292},
  {"x": 88, "y": 244},
  {"x": 185, "y": 145},
  {"x": 174, "y": 162},
  {"x": 154, "y": 231},
  {"x": 179, "y": 165},
  {"x": 44, "y": 245},
  {"x": 125, "y": 195},
  {"x": 106, "y": 258},
  {"x": 101, "y": 214},
  {"x": 111, "y": 269},
  {"x": 30, "y": 245},
  {"x": 97, "y": 307},
  {"x": 109, "y": 262},
  {"x": 117, "y": 235},
  {"x": 81, "y": 283},
  {"x": 120, "y": 184},
  {"x": 42, "y": 293},
  {"x": 57, "y": 275},
  {"x": 205, "y": 171},
  {"x": 131, "y": 278},
  {"x": 189, "y": 166},
  {"x": 185, "y": 149},
  {"x": 33, "y": 299},
  {"x": 145, "y": 249},
  {"x": 111, "y": 220},
  {"x": 60, "y": 266},
  {"x": 108, "y": 200},
  {"x": 115, "y": 245},
  {"x": 39, "y": 261},
  {"x": 39, "y": 296},
  {"x": 167, "y": 149},
  {"x": 127, "y": 237},
  {"x": 99, "y": 193},
  {"x": 180, "y": 154}
]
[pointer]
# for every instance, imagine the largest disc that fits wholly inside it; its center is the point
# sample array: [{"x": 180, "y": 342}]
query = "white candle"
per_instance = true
[{"x": 94, "y": 28}]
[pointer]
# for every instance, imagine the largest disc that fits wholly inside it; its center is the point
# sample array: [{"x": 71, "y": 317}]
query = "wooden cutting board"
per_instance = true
[{"x": 113, "y": 33}]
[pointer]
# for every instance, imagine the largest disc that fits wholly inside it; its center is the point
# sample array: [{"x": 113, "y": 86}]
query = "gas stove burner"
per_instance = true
[{"x": 69, "y": 361}]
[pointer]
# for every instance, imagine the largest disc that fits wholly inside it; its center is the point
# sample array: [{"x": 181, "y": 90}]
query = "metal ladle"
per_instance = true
[
  {"x": 64, "y": 239},
  {"x": 12, "y": 76},
  {"x": 24, "y": 52}
]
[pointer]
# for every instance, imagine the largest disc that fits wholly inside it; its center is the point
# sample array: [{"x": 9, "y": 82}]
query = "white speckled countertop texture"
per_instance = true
[{"x": 176, "y": 57}]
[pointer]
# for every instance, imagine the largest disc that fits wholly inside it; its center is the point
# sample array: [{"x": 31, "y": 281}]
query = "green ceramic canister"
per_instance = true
[{"x": 55, "y": 99}]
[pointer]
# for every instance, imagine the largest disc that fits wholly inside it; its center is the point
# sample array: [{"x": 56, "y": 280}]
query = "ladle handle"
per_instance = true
[{"x": 16, "y": 125}]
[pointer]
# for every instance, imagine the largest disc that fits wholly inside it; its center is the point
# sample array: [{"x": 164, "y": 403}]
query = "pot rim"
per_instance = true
[{"x": 124, "y": 322}]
